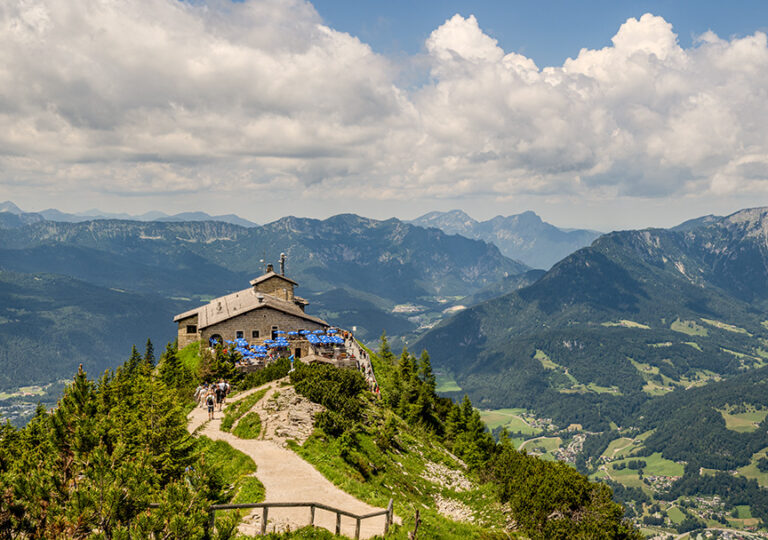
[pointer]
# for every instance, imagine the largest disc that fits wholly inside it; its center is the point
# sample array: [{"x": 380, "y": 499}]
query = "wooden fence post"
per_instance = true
[
  {"x": 312, "y": 515},
  {"x": 338, "y": 523},
  {"x": 211, "y": 520},
  {"x": 388, "y": 518},
  {"x": 264, "y": 515}
]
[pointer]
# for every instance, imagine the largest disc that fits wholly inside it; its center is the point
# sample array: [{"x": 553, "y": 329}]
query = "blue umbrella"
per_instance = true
[
  {"x": 305, "y": 332},
  {"x": 319, "y": 332},
  {"x": 331, "y": 330}
]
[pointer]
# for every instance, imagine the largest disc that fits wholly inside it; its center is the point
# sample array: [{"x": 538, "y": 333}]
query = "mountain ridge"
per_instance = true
[{"x": 525, "y": 236}]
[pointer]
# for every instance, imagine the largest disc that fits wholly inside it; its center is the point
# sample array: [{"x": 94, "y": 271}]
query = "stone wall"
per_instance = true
[
  {"x": 185, "y": 338},
  {"x": 262, "y": 319},
  {"x": 278, "y": 287}
]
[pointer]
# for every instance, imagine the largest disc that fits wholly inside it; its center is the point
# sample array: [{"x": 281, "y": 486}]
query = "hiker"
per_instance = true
[
  {"x": 210, "y": 401},
  {"x": 199, "y": 393},
  {"x": 219, "y": 389}
]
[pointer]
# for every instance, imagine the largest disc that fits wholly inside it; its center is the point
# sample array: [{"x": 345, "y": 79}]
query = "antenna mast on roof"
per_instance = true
[{"x": 282, "y": 264}]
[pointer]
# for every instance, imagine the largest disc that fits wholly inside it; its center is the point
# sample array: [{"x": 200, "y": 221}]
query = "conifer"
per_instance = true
[{"x": 149, "y": 354}]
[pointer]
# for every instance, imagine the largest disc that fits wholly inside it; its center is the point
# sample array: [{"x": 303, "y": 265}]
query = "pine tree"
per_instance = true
[
  {"x": 170, "y": 368},
  {"x": 426, "y": 374},
  {"x": 149, "y": 354},
  {"x": 134, "y": 360},
  {"x": 384, "y": 351}
]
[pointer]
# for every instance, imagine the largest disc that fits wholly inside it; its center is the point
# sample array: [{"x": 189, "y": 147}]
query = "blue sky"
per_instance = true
[
  {"x": 546, "y": 31},
  {"x": 603, "y": 114}
]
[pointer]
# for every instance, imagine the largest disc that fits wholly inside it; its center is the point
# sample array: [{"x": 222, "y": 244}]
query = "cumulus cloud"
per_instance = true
[{"x": 161, "y": 96}]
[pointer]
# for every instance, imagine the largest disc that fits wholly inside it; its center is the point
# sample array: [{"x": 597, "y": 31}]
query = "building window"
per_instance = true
[
  {"x": 255, "y": 334},
  {"x": 274, "y": 332},
  {"x": 191, "y": 329},
  {"x": 240, "y": 334}
]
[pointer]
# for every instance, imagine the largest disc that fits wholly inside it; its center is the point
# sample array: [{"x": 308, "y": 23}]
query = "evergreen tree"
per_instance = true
[
  {"x": 149, "y": 354},
  {"x": 385, "y": 353},
  {"x": 134, "y": 360},
  {"x": 426, "y": 374}
]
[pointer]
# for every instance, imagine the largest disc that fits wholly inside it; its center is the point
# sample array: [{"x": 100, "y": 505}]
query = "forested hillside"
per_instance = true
[
  {"x": 91, "y": 467},
  {"x": 642, "y": 361},
  {"x": 82, "y": 292},
  {"x": 637, "y": 314}
]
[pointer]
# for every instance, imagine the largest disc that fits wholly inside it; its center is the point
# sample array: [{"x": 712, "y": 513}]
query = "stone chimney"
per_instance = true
[
  {"x": 270, "y": 268},
  {"x": 282, "y": 264}
]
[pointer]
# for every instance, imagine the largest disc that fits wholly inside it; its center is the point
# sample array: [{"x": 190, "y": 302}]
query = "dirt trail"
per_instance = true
[{"x": 288, "y": 478}]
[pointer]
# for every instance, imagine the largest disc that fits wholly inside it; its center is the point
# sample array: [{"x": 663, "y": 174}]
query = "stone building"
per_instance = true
[{"x": 254, "y": 314}]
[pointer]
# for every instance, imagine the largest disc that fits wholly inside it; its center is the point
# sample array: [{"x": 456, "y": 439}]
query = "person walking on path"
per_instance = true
[{"x": 210, "y": 401}]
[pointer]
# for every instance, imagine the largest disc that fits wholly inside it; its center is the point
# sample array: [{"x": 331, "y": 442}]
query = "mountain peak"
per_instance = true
[{"x": 8, "y": 206}]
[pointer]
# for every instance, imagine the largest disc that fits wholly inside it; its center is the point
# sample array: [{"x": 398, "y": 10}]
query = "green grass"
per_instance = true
[
  {"x": 745, "y": 422},
  {"x": 693, "y": 344},
  {"x": 546, "y": 362},
  {"x": 248, "y": 427},
  {"x": 399, "y": 477},
  {"x": 576, "y": 386},
  {"x": 676, "y": 515},
  {"x": 510, "y": 418},
  {"x": 626, "y": 323},
  {"x": 744, "y": 511},
  {"x": 236, "y": 409},
  {"x": 232, "y": 463},
  {"x": 189, "y": 356},
  {"x": 692, "y": 328},
  {"x": 251, "y": 491},
  {"x": 659, "y": 466},
  {"x": 725, "y": 326},
  {"x": 542, "y": 445},
  {"x": 751, "y": 470},
  {"x": 619, "y": 447},
  {"x": 236, "y": 468},
  {"x": 34, "y": 390},
  {"x": 446, "y": 383}
]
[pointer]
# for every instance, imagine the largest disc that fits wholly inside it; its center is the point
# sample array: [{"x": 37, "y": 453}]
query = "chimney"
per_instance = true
[
  {"x": 282, "y": 264},
  {"x": 270, "y": 268}
]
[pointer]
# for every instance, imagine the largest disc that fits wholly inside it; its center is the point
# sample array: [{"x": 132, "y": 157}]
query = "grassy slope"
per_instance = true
[{"x": 400, "y": 476}]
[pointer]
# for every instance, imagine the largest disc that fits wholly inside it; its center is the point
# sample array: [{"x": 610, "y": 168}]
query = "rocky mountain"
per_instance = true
[
  {"x": 524, "y": 237},
  {"x": 354, "y": 271},
  {"x": 12, "y": 217},
  {"x": 52, "y": 214},
  {"x": 636, "y": 314}
]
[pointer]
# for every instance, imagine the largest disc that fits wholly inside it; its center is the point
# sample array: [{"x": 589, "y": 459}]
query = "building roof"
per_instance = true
[
  {"x": 270, "y": 275},
  {"x": 225, "y": 307}
]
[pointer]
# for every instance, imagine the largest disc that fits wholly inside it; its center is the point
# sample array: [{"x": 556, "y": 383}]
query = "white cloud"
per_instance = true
[{"x": 159, "y": 96}]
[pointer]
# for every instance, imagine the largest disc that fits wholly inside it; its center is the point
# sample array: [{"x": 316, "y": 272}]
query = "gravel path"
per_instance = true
[{"x": 288, "y": 478}]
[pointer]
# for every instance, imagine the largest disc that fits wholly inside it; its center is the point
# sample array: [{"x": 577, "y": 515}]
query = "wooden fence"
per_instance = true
[{"x": 265, "y": 506}]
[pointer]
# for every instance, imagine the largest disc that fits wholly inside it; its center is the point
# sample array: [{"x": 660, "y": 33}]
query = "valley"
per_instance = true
[{"x": 640, "y": 360}]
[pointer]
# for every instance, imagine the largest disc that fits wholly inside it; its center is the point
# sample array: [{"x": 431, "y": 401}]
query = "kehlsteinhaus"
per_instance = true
[{"x": 262, "y": 311}]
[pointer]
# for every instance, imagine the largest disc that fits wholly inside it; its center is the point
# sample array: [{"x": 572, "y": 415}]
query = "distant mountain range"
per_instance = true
[
  {"x": 523, "y": 237},
  {"x": 8, "y": 209},
  {"x": 636, "y": 314},
  {"x": 354, "y": 271}
]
